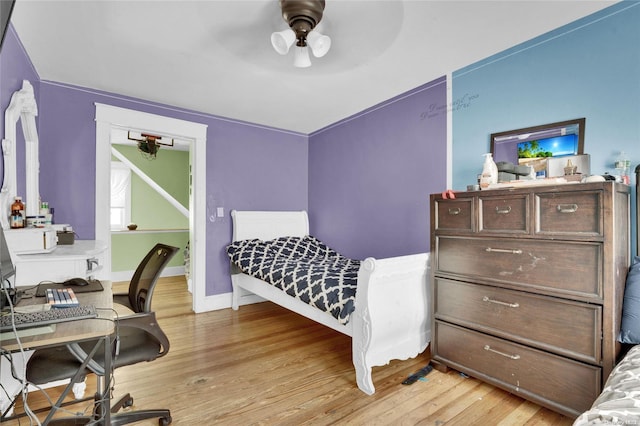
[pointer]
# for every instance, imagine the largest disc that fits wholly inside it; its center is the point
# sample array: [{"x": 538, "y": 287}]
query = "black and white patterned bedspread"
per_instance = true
[
  {"x": 619, "y": 401},
  {"x": 303, "y": 267}
]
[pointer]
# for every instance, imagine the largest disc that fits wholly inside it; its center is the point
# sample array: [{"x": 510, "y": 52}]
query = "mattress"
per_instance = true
[{"x": 304, "y": 268}]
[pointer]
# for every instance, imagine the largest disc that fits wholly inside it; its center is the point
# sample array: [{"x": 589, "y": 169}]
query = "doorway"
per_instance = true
[
  {"x": 108, "y": 120},
  {"x": 150, "y": 178}
]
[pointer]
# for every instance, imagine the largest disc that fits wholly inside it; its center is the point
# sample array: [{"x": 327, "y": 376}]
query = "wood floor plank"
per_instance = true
[
  {"x": 263, "y": 365},
  {"x": 521, "y": 414},
  {"x": 489, "y": 409}
]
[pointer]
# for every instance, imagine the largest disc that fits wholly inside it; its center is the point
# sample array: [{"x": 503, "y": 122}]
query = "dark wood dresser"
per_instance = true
[{"x": 528, "y": 286}]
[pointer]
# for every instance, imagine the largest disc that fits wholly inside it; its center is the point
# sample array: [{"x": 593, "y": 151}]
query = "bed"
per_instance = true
[
  {"x": 390, "y": 318},
  {"x": 619, "y": 401}
]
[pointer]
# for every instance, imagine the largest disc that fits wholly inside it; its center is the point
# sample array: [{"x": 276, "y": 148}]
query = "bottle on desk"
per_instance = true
[
  {"x": 16, "y": 220},
  {"x": 46, "y": 212}
]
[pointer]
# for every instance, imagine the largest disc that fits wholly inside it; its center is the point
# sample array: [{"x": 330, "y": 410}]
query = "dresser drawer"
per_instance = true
[
  {"x": 558, "y": 383},
  {"x": 506, "y": 214},
  {"x": 454, "y": 215},
  {"x": 569, "y": 213},
  {"x": 550, "y": 323},
  {"x": 558, "y": 267}
]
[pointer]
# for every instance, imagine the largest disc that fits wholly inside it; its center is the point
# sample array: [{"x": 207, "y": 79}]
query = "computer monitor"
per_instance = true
[{"x": 7, "y": 270}]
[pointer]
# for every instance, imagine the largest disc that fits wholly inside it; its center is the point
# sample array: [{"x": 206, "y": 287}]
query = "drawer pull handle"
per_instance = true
[
  {"x": 503, "y": 210},
  {"x": 567, "y": 208},
  {"x": 498, "y": 250},
  {"x": 511, "y": 305},
  {"x": 488, "y": 348},
  {"x": 455, "y": 211}
]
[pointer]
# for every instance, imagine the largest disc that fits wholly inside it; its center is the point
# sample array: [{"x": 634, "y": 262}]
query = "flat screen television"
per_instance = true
[{"x": 6, "y": 7}]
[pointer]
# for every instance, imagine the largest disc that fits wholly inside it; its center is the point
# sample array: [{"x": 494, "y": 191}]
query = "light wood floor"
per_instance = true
[{"x": 264, "y": 365}]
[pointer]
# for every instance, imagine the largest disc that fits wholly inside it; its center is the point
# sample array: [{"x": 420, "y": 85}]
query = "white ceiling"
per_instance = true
[{"x": 215, "y": 56}]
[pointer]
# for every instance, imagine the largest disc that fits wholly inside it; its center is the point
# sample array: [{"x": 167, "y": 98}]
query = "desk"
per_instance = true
[{"x": 76, "y": 331}]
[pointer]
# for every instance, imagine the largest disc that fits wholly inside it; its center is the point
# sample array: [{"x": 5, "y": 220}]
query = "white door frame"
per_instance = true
[{"x": 107, "y": 117}]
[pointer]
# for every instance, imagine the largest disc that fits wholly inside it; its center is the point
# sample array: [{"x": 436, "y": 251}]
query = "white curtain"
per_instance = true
[{"x": 120, "y": 195}]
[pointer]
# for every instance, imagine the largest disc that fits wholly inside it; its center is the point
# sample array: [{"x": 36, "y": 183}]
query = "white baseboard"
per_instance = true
[
  {"x": 223, "y": 301},
  {"x": 170, "y": 271}
]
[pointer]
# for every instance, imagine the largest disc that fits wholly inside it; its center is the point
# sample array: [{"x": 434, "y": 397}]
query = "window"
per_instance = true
[{"x": 120, "y": 195}]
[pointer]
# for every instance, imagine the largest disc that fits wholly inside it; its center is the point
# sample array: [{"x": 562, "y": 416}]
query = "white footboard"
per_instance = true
[
  {"x": 391, "y": 320},
  {"x": 392, "y": 308}
]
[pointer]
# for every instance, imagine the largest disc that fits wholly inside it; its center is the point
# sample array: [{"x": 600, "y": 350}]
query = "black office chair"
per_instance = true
[
  {"x": 144, "y": 279},
  {"x": 139, "y": 338}
]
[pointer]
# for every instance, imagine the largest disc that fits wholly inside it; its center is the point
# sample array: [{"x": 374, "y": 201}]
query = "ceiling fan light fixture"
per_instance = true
[
  {"x": 319, "y": 43},
  {"x": 302, "y": 16},
  {"x": 301, "y": 57},
  {"x": 148, "y": 148},
  {"x": 283, "y": 40}
]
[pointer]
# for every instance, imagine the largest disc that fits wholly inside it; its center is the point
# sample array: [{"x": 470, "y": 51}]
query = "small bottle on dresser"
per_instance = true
[{"x": 16, "y": 220}]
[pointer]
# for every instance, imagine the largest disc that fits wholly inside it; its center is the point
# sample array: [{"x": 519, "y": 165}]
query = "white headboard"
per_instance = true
[{"x": 269, "y": 225}]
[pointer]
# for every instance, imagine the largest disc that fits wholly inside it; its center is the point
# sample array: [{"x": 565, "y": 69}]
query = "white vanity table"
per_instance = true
[{"x": 82, "y": 259}]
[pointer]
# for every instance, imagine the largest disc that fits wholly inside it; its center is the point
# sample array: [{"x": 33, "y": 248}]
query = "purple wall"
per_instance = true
[
  {"x": 370, "y": 176},
  {"x": 15, "y": 66},
  {"x": 250, "y": 168},
  {"x": 68, "y": 155}
]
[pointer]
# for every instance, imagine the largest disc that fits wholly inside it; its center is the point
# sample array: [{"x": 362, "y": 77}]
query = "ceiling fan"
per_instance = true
[{"x": 302, "y": 16}]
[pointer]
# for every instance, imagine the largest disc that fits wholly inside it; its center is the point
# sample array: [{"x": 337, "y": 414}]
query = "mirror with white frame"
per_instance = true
[{"x": 22, "y": 107}]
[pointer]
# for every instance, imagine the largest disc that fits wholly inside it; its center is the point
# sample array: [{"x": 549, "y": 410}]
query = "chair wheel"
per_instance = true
[
  {"x": 165, "y": 421},
  {"x": 128, "y": 402}
]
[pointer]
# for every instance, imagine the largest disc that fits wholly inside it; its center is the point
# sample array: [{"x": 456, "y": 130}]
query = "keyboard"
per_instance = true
[
  {"x": 51, "y": 316},
  {"x": 61, "y": 298}
]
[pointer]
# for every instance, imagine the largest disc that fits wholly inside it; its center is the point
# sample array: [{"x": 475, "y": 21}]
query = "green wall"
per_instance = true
[
  {"x": 128, "y": 249},
  {"x": 150, "y": 211}
]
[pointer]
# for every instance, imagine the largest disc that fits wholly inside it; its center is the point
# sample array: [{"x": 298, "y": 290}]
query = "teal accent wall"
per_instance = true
[
  {"x": 150, "y": 211},
  {"x": 589, "y": 68}
]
